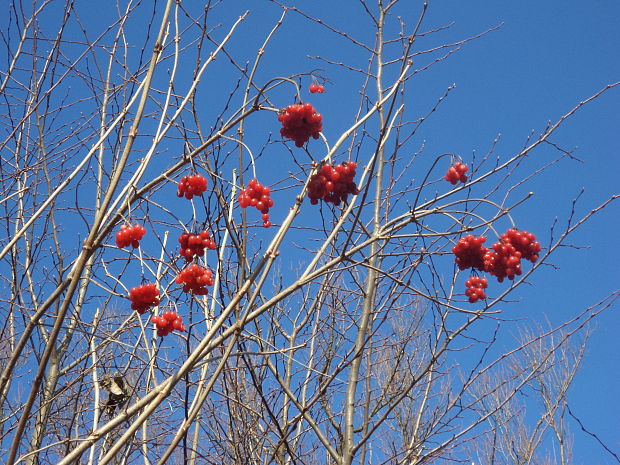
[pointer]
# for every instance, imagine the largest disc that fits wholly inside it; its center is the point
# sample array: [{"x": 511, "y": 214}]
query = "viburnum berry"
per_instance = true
[
  {"x": 504, "y": 258},
  {"x": 456, "y": 173},
  {"x": 469, "y": 252},
  {"x": 259, "y": 196},
  {"x": 300, "y": 122},
  {"x": 316, "y": 89},
  {"x": 130, "y": 235},
  {"x": 194, "y": 279},
  {"x": 333, "y": 183},
  {"x": 503, "y": 261},
  {"x": 195, "y": 244},
  {"x": 189, "y": 186},
  {"x": 143, "y": 297},
  {"x": 475, "y": 288},
  {"x": 168, "y": 322},
  {"x": 524, "y": 242}
]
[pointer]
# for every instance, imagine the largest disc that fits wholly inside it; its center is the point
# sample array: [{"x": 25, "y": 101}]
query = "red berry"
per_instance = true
[
  {"x": 475, "y": 288},
  {"x": 469, "y": 252},
  {"x": 195, "y": 244},
  {"x": 314, "y": 88},
  {"x": 168, "y": 322},
  {"x": 524, "y": 242},
  {"x": 189, "y": 186},
  {"x": 194, "y": 279},
  {"x": 300, "y": 122},
  {"x": 504, "y": 259},
  {"x": 130, "y": 235},
  {"x": 258, "y": 196},
  {"x": 456, "y": 173},
  {"x": 143, "y": 297},
  {"x": 333, "y": 183}
]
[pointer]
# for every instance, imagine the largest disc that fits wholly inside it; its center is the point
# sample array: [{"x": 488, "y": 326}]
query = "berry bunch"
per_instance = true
[
  {"x": 189, "y": 186},
  {"x": 194, "y": 279},
  {"x": 168, "y": 322},
  {"x": 503, "y": 261},
  {"x": 195, "y": 244},
  {"x": 524, "y": 242},
  {"x": 259, "y": 196},
  {"x": 143, "y": 297},
  {"x": 333, "y": 183},
  {"x": 130, "y": 235},
  {"x": 475, "y": 288},
  {"x": 469, "y": 252},
  {"x": 300, "y": 122},
  {"x": 316, "y": 89},
  {"x": 456, "y": 173},
  {"x": 504, "y": 258}
]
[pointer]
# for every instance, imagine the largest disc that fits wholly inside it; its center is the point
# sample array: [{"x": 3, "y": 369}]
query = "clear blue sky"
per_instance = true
[
  {"x": 544, "y": 59},
  {"x": 547, "y": 57}
]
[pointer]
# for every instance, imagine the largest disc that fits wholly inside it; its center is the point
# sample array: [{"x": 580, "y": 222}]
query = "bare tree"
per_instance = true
[{"x": 340, "y": 334}]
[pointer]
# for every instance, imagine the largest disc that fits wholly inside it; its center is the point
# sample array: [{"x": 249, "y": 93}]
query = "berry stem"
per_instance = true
[
  {"x": 262, "y": 89},
  {"x": 504, "y": 211},
  {"x": 329, "y": 154},
  {"x": 428, "y": 173},
  {"x": 141, "y": 260},
  {"x": 248, "y": 150}
]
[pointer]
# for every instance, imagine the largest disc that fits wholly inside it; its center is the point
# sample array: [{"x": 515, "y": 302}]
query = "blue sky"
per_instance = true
[
  {"x": 547, "y": 57},
  {"x": 543, "y": 58}
]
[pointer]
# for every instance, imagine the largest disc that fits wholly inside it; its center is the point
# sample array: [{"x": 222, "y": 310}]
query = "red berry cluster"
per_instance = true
[
  {"x": 300, "y": 122},
  {"x": 130, "y": 235},
  {"x": 475, "y": 288},
  {"x": 195, "y": 244},
  {"x": 194, "y": 279},
  {"x": 143, "y": 297},
  {"x": 168, "y": 322},
  {"x": 189, "y": 186},
  {"x": 503, "y": 260},
  {"x": 316, "y": 89},
  {"x": 259, "y": 196},
  {"x": 469, "y": 252},
  {"x": 333, "y": 183},
  {"x": 456, "y": 173},
  {"x": 524, "y": 242}
]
